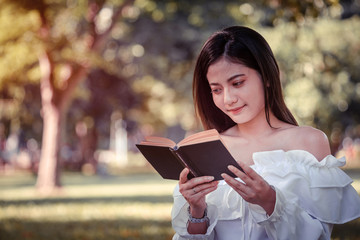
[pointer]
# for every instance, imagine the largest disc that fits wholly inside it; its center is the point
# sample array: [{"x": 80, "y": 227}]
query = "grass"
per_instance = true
[
  {"x": 128, "y": 207},
  {"x": 133, "y": 206}
]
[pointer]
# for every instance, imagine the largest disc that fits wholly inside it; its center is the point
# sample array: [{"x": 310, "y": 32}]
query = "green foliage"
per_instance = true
[
  {"x": 16, "y": 42},
  {"x": 319, "y": 70}
]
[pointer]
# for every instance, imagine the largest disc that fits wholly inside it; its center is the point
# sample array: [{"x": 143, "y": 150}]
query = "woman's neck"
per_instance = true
[{"x": 258, "y": 128}]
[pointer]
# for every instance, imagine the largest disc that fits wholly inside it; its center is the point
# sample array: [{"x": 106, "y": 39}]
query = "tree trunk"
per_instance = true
[
  {"x": 55, "y": 102},
  {"x": 52, "y": 113},
  {"x": 48, "y": 174},
  {"x": 54, "y": 108}
]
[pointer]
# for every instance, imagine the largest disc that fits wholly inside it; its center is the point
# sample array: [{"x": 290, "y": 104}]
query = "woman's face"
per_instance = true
[{"x": 237, "y": 90}]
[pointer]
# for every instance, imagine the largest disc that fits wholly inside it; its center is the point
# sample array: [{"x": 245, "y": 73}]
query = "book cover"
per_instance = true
[{"x": 204, "y": 158}]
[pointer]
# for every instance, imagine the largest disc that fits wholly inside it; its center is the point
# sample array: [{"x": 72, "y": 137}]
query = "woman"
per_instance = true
[{"x": 291, "y": 187}]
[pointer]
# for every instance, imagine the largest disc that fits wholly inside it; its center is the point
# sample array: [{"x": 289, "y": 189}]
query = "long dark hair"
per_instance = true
[{"x": 243, "y": 45}]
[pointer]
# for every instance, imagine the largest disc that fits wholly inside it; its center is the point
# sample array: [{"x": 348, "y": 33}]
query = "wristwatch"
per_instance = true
[{"x": 198, "y": 220}]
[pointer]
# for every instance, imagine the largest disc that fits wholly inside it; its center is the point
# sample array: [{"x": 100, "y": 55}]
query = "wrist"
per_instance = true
[
  {"x": 196, "y": 219},
  {"x": 269, "y": 205},
  {"x": 197, "y": 212}
]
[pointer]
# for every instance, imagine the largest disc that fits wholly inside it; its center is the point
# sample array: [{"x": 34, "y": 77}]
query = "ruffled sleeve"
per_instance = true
[
  {"x": 310, "y": 195},
  {"x": 180, "y": 218},
  {"x": 223, "y": 204}
]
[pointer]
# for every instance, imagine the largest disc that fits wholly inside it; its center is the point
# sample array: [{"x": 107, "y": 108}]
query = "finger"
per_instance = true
[
  {"x": 204, "y": 186},
  {"x": 235, "y": 184},
  {"x": 248, "y": 170},
  {"x": 253, "y": 185},
  {"x": 251, "y": 173},
  {"x": 249, "y": 176},
  {"x": 202, "y": 190},
  {"x": 236, "y": 171},
  {"x": 231, "y": 181},
  {"x": 183, "y": 175},
  {"x": 240, "y": 174},
  {"x": 186, "y": 186},
  {"x": 200, "y": 180}
]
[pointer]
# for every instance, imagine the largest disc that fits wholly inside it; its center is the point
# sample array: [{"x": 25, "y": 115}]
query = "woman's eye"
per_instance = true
[
  {"x": 216, "y": 91},
  {"x": 238, "y": 83}
]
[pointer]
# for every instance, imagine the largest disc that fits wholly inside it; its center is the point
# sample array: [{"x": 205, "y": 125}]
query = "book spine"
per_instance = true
[{"x": 182, "y": 161}]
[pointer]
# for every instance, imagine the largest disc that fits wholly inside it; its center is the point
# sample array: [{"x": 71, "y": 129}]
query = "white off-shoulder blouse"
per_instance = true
[{"x": 311, "y": 196}]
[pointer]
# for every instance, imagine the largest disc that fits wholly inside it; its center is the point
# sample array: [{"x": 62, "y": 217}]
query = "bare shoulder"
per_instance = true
[{"x": 309, "y": 139}]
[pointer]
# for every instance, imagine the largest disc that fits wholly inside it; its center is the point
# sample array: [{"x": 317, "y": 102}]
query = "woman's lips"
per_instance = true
[{"x": 236, "y": 110}]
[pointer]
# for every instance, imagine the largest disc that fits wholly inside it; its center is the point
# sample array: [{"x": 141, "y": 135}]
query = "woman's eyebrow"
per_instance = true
[
  {"x": 235, "y": 76},
  {"x": 229, "y": 79}
]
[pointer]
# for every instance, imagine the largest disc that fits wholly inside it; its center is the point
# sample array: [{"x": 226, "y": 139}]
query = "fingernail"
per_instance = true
[
  {"x": 210, "y": 178},
  {"x": 223, "y": 175}
]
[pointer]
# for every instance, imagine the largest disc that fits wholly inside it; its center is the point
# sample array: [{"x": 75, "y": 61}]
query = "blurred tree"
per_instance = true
[
  {"x": 109, "y": 94},
  {"x": 320, "y": 72},
  {"x": 68, "y": 38}
]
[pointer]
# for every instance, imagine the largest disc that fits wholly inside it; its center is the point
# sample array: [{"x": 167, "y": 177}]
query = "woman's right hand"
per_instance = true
[{"x": 195, "y": 190}]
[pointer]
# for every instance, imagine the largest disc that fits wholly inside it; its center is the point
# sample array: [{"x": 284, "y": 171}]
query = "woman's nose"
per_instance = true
[{"x": 229, "y": 97}]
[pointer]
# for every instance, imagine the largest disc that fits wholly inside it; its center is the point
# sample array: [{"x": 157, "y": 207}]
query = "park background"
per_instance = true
[{"x": 83, "y": 81}]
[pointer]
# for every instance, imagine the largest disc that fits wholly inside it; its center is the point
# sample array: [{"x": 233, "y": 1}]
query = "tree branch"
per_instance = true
[
  {"x": 79, "y": 71},
  {"x": 46, "y": 82},
  {"x": 46, "y": 64},
  {"x": 100, "y": 38}
]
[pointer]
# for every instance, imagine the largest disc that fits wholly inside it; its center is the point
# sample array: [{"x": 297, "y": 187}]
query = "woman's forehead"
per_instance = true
[{"x": 225, "y": 68}]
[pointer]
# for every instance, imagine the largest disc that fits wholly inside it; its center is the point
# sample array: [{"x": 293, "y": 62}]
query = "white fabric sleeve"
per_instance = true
[
  {"x": 311, "y": 196},
  {"x": 289, "y": 220},
  {"x": 180, "y": 218},
  {"x": 223, "y": 204}
]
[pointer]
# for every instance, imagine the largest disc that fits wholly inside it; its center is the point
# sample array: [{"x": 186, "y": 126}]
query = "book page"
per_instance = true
[
  {"x": 158, "y": 141},
  {"x": 204, "y": 136}
]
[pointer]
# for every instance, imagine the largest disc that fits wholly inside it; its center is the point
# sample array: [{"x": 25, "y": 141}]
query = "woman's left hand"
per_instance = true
[{"x": 254, "y": 189}]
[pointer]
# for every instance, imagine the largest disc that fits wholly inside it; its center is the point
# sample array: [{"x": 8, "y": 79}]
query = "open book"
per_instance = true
[{"x": 203, "y": 153}]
